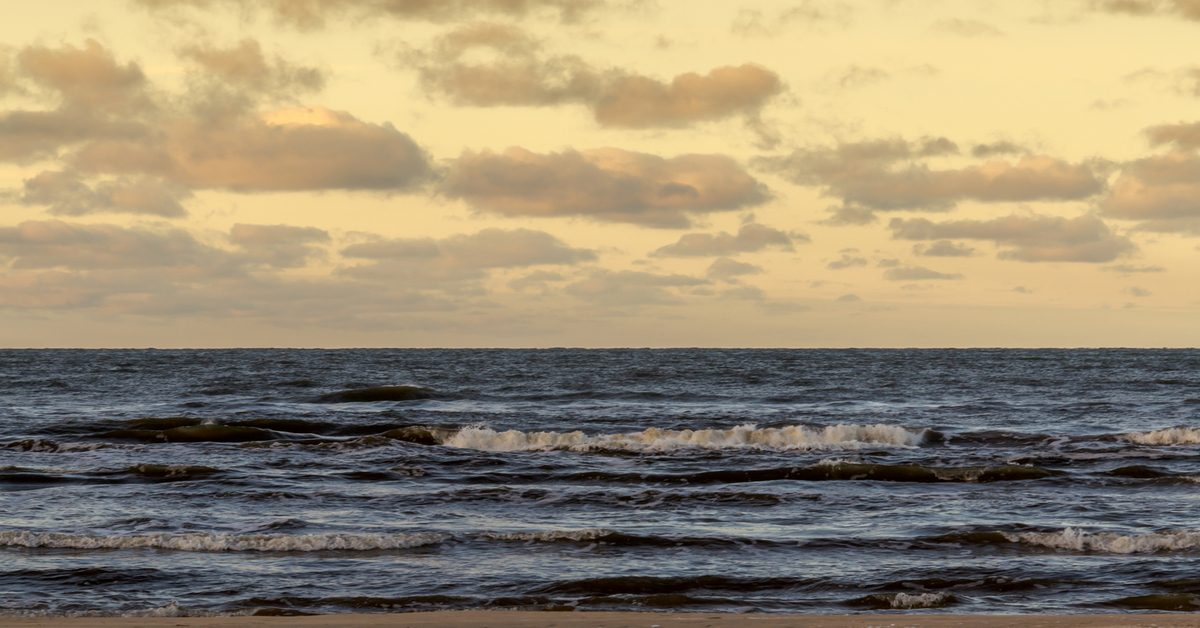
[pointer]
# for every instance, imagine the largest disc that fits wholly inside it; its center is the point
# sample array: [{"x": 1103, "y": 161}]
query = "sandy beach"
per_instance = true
[{"x": 525, "y": 619}]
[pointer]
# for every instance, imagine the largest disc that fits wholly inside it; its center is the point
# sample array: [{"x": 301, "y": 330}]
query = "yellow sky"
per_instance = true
[{"x": 800, "y": 173}]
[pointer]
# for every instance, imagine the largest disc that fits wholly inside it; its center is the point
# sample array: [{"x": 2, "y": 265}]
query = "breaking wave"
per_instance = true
[
  {"x": 1172, "y": 436},
  {"x": 904, "y": 600},
  {"x": 837, "y": 437},
  {"x": 1079, "y": 540},
  {"x": 205, "y": 542},
  {"x": 170, "y": 610}
]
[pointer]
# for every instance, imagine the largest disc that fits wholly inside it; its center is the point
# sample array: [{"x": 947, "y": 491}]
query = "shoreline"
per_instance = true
[{"x": 621, "y": 619}]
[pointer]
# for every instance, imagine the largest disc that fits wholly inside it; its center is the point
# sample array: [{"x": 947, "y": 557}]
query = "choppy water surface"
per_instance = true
[{"x": 287, "y": 481}]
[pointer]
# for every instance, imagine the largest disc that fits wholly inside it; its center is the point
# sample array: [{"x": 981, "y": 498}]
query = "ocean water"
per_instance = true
[{"x": 778, "y": 481}]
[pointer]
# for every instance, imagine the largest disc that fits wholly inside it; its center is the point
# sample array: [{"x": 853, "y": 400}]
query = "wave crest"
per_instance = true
[
  {"x": 1172, "y": 436},
  {"x": 207, "y": 542},
  {"x": 840, "y": 437},
  {"x": 1079, "y": 540}
]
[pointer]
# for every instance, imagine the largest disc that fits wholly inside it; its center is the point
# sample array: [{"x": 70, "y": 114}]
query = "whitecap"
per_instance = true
[
  {"x": 834, "y": 437},
  {"x": 207, "y": 542},
  {"x": 1172, "y": 436},
  {"x": 1079, "y": 540}
]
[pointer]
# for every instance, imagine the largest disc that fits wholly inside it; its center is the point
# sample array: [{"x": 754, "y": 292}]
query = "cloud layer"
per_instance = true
[
  {"x": 606, "y": 184},
  {"x": 1032, "y": 238},
  {"x": 521, "y": 74},
  {"x": 891, "y": 175},
  {"x": 310, "y": 14}
]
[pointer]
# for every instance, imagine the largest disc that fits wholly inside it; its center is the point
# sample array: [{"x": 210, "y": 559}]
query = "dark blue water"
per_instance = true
[{"x": 288, "y": 481}]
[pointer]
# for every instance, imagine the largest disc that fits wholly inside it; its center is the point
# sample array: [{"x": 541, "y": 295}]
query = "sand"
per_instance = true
[{"x": 522, "y": 619}]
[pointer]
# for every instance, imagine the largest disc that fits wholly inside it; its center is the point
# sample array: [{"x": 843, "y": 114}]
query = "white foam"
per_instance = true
[
  {"x": 170, "y": 610},
  {"x": 1173, "y": 436},
  {"x": 1076, "y": 539},
  {"x": 922, "y": 600},
  {"x": 205, "y": 542},
  {"x": 548, "y": 536},
  {"x": 837, "y": 437}
]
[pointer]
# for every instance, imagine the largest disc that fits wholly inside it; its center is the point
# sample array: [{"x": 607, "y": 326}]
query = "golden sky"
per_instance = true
[{"x": 528, "y": 173}]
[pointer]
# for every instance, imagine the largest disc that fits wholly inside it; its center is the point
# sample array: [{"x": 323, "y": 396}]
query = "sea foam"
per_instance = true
[
  {"x": 204, "y": 542},
  {"x": 1076, "y": 539},
  {"x": 921, "y": 600},
  {"x": 1172, "y": 436},
  {"x": 170, "y": 610},
  {"x": 837, "y": 437}
]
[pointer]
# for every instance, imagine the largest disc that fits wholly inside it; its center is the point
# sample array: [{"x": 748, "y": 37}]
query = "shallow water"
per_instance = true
[{"x": 287, "y": 481}]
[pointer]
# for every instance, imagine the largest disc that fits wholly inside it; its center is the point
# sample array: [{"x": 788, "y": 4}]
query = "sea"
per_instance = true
[{"x": 288, "y": 482}]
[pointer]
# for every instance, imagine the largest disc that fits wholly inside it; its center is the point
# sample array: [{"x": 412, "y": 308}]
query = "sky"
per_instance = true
[{"x": 600, "y": 173}]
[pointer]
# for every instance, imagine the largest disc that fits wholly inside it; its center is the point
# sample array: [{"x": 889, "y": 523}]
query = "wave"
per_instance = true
[
  {"x": 830, "y": 470},
  {"x": 1079, "y": 540},
  {"x": 171, "y": 471},
  {"x": 207, "y": 542},
  {"x": 904, "y": 600},
  {"x": 44, "y": 445},
  {"x": 170, "y": 610},
  {"x": 1161, "y": 602},
  {"x": 590, "y": 534},
  {"x": 626, "y": 585},
  {"x": 1172, "y": 436},
  {"x": 378, "y": 393},
  {"x": 203, "y": 433},
  {"x": 840, "y": 437}
]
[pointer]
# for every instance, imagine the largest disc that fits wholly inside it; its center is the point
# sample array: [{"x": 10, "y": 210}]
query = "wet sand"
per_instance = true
[{"x": 523, "y": 619}]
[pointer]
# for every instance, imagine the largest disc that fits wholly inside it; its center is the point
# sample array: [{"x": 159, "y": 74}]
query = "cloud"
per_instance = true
[
  {"x": 1185, "y": 135},
  {"x": 1137, "y": 291},
  {"x": 94, "y": 97},
  {"x": 642, "y": 102},
  {"x": 849, "y": 215},
  {"x": 857, "y": 76},
  {"x": 459, "y": 259},
  {"x": 8, "y": 73},
  {"x": 519, "y": 74},
  {"x": 537, "y": 279},
  {"x": 110, "y": 121},
  {"x": 87, "y": 78},
  {"x": 279, "y": 246},
  {"x": 231, "y": 81},
  {"x": 917, "y": 273},
  {"x": 1125, "y": 269},
  {"x": 1033, "y": 238},
  {"x": 168, "y": 273},
  {"x": 726, "y": 269},
  {"x": 58, "y": 244},
  {"x": 314, "y": 14},
  {"x": 31, "y": 135},
  {"x": 846, "y": 261},
  {"x": 1160, "y": 187},
  {"x": 84, "y": 247},
  {"x": 943, "y": 248},
  {"x": 750, "y": 237},
  {"x": 298, "y": 149},
  {"x": 1187, "y": 9},
  {"x": 888, "y": 175},
  {"x": 1162, "y": 191},
  {"x": 629, "y": 287},
  {"x": 753, "y": 23},
  {"x": 67, "y": 195},
  {"x": 966, "y": 28},
  {"x": 1001, "y": 147},
  {"x": 606, "y": 184},
  {"x": 849, "y": 298}
]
